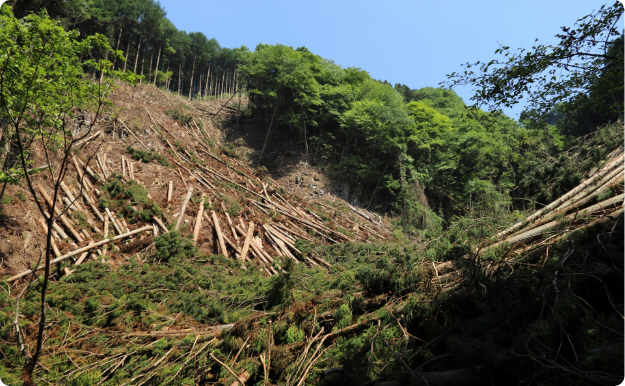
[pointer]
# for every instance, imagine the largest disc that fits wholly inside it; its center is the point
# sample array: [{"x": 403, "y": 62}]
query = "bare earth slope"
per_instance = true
[{"x": 199, "y": 160}]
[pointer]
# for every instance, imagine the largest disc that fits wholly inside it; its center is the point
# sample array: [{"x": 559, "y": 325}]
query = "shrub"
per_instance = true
[
  {"x": 129, "y": 199},
  {"x": 173, "y": 245},
  {"x": 180, "y": 116},
  {"x": 147, "y": 156}
]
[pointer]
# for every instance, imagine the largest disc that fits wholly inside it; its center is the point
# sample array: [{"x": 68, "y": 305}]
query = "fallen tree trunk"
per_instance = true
[
  {"x": 81, "y": 250},
  {"x": 605, "y": 170}
]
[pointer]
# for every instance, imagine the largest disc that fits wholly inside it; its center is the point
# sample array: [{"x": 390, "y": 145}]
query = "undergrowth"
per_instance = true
[
  {"x": 147, "y": 156},
  {"x": 129, "y": 199}
]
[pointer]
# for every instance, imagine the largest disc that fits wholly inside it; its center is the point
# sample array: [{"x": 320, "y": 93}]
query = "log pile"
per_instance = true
[
  {"x": 584, "y": 207},
  {"x": 267, "y": 227}
]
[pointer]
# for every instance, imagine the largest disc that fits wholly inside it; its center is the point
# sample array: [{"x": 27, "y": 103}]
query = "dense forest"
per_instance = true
[{"x": 500, "y": 259}]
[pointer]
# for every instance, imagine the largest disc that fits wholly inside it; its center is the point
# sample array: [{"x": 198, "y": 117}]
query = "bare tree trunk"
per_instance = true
[
  {"x": 223, "y": 79},
  {"x": 208, "y": 74},
  {"x": 142, "y": 63},
  {"x": 137, "y": 55},
  {"x": 119, "y": 38},
  {"x": 191, "y": 82},
  {"x": 158, "y": 58},
  {"x": 127, "y": 50},
  {"x": 199, "y": 91},
  {"x": 179, "y": 71},
  {"x": 305, "y": 136},
  {"x": 150, "y": 68}
]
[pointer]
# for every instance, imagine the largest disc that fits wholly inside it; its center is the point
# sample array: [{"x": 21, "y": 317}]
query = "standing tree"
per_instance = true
[
  {"x": 42, "y": 89},
  {"x": 550, "y": 76}
]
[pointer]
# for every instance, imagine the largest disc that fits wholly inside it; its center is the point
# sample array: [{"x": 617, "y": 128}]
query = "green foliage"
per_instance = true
[
  {"x": 43, "y": 86},
  {"x": 179, "y": 115},
  {"x": 174, "y": 247},
  {"x": 561, "y": 75},
  {"x": 147, "y": 156},
  {"x": 129, "y": 199}
]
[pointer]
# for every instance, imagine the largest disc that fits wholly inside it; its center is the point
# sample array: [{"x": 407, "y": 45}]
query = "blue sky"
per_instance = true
[{"x": 411, "y": 42}]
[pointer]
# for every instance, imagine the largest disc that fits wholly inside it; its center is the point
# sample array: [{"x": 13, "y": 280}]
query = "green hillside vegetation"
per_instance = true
[{"x": 436, "y": 300}]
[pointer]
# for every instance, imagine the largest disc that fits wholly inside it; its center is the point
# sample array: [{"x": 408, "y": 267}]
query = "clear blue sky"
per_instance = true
[{"x": 411, "y": 42}]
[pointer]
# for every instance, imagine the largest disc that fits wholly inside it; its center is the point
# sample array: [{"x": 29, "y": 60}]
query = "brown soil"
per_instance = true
[{"x": 143, "y": 109}]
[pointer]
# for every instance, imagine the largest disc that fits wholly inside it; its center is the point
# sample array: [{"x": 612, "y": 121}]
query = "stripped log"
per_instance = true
[
  {"x": 83, "y": 256},
  {"x": 248, "y": 239},
  {"x": 88, "y": 139},
  {"x": 607, "y": 204},
  {"x": 59, "y": 230},
  {"x": 170, "y": 190},
  {"x": 101, "y": 165},
  {"x": 124, "y": 224},
  {"x": 105, "y": 235},
  {"x": 82, "y": 179},
  {"x": 234, "y": 233},
  {"x": 75, "y": 202},
  {"x": 202, "y": 181},
  {"x": 71, "y": 196},
  {"x": 159, "y": 222},
  {"x": 184, "y": 208},
  {"x": 81, "y": 250},
  {"x": 555, "y": 204},
  {"x": 63, "y": 218},
  {"x": 198, "y": 220},
  {"x": 41, "y": 221},
  {"x": 117, "y": 227},
  {"x": 220, "y": 236},
  {"x": 92, "y": 205},
  {"x": 576, "y": 205}
]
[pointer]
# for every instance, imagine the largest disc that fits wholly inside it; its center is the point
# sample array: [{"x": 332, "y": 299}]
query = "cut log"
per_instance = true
[
  {"x": 59, "y": 230},
  {"x": 124, "y": 224},
  {"x": 611, "y": 203},
  {"x": 574, "y": 205},
  {"x": 220, "y": 236},
  {"x": 84, "y": 255},
  {"x": 198, "y": 220},
  {"x": 105, "y": 234},
  {"x": 73, "y": 203},
  {"x": 68, "y": 204},
  {"x": 81, "y": 250},
  {"x": 81, "y": 176},
  {"x": 234, "y": 233},
  {"x": 115, "y": 225},
  {"x": 71, "y": 196},
  {"x": 184, "y": 208},
  {"x": 42, "y": 222},
  {"x": 248, "y": 239},
  {"x": 170, "y": 190},
  {"x": 123, "y": 167},
  {"x": 63, "y": 218},
  {"x": 88, "y": 139},
  {"x": 605, "y": 170},
  {"x": 101, "y": 165},
  {"x": 159, "y": 222},
  {"x": 92, "y": 205}
]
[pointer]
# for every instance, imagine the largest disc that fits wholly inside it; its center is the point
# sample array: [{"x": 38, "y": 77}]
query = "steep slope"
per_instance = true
[{"x": 177, "y": 161}]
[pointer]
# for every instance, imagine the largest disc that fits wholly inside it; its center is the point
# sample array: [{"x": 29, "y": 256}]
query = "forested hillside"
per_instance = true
[{"x": 147, "y": 238}]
